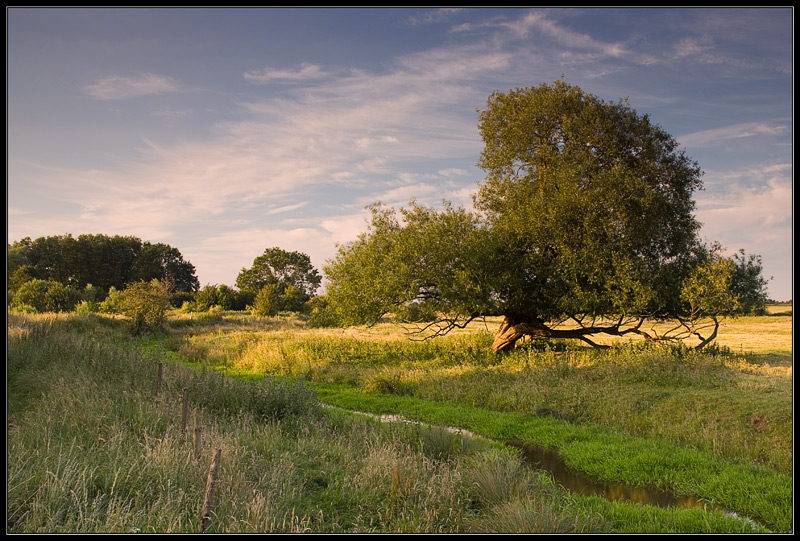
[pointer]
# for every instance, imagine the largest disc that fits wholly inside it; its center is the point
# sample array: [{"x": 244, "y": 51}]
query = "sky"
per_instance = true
[{"x": 226, "y": 131}]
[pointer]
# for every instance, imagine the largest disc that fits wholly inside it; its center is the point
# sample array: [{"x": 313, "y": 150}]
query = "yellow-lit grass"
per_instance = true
[{"x": 736, "y": 404}]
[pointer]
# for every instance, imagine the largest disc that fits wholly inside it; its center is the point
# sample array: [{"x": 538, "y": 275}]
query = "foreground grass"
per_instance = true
[
  {"x": 90, "y": 450},
  {"x": 734, "y": 405},
  {"x": 753, "y": 491}
]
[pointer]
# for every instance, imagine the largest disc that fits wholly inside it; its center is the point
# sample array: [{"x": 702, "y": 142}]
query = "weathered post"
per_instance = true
[
  {"x": 205, "y": 520},
  {"x": 158, "y": 380},
  {"x": 184, "y": 411},
  {"x": 198, "y": 444}
]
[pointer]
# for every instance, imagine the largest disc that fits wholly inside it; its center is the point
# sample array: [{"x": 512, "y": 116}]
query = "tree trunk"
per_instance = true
[
  {"x": 705, "y": 341},
  {"x": 513, "y": 328}
]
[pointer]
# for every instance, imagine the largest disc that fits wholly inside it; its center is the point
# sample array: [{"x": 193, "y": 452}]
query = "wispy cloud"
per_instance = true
[
  {"x": 287, "y": 208},
  {"x": 691, "y": 45},
  {"x": 332, "y": 141},
  {"x": 707, "y": 138},
  {"x": 267, "y": 75},
  {"x": 433, "y": 16},
  {"x": 752, "y": 209},
  {"x": 119, "y": 88}
]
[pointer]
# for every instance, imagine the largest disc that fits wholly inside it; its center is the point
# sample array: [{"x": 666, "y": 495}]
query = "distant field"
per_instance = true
[{"x": 769, "y": 337}]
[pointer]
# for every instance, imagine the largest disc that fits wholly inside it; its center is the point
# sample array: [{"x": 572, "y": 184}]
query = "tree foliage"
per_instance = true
[
  {"x": 268, "y": 301},
  {"x": 163, "y": 262},
  {"x": 416, "y": 255},
  {"x": 294, "y": 278},
  {"x": 220, "y": 295},
  {"x": 145, "y": 304},
  {"x": 100, "y": 260},
  {"x": 585, "y": 217},
  {"x": 40, "y": 296}
]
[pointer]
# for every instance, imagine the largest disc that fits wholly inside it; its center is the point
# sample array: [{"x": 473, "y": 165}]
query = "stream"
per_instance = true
[
  {"x": 551, "y": 462},
  {"x": 576, "y": 483}
]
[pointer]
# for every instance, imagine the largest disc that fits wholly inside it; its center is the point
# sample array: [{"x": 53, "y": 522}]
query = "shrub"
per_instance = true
[
  {"x": 144, "y": 304},
  {"x": 268, "y": 301},
  {"x": 86, "y": 307},
  {"x": 47, "y": 296},
  {"x": 388, "y": 381},
  {"x": 113, "y": 302}
]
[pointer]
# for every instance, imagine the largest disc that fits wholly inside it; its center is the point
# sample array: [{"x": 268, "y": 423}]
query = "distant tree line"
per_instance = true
[
  {"x": 278, "y": 281},
  {"x": 118, "y": 274},
  {"x": 97, "y": 263}
]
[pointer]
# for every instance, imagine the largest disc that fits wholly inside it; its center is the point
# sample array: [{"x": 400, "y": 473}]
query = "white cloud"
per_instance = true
[
  {"x": 752, "y": 210},
  {"x": 433, "y": 16},
  {"x": 369, "y": 142},
  {"x": 267, "y": 75},
  {"x": 287, "y": 208},
  {"x": 707, "y": 138},
  {"x": 453, "y": 172},
  {"x": 221, "y": 257},
  {"x": 691, "y": 45},
  {"x": 118, "y": 88},
  {"x": 407, "y": 124},
  {"x": 749, "y": 210},
  {"x": 404, "y": 194}
]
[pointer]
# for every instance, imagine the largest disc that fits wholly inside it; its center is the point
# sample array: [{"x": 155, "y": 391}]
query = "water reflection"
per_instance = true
[{"x": 551, "y": 461}]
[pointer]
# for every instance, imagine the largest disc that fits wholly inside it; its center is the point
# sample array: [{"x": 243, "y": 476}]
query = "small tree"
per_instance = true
[
  {"x": 268, "y": 301},
  {"x": 145, "y": 304},
  {"x": 284, "y": 269},
  {"x": 748, "y": 284},
  {"x": 207, "y": 297},
  {"x": 708, "y": 294}
]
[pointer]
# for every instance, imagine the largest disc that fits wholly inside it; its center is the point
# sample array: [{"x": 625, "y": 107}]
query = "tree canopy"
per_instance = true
[
  {"x": 100, "y": 260},
  {"x": 290, "y": 277},
  {"x": 585, "y": 217}
]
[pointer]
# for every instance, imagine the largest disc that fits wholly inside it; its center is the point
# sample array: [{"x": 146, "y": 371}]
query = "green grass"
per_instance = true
[
  {"x": 91, "y": 450},
  {"x": 732, "y": 405},
  {"x": 603, "y": 455}
]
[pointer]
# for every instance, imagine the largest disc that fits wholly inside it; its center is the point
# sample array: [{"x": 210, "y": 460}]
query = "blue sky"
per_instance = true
[{"x": 223, "y": 132}]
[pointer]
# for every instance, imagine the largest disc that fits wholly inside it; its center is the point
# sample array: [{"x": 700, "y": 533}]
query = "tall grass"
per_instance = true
[
  {"x": 733, "y": 405},
  {"x": 92, "y": 449}
]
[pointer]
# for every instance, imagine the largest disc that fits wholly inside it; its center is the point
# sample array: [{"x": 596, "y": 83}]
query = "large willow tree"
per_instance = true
[{"x": 584, "y": 226}]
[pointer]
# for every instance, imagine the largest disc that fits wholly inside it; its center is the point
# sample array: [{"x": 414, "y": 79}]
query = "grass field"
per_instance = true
[{"x": 91, "y": 450}]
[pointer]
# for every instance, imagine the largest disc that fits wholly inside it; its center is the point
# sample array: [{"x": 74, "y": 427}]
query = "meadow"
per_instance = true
[{"x": 95, "y": 444}]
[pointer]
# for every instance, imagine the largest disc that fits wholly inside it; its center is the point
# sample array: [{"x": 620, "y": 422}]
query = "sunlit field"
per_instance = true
[{"x": 91, "y": 450}]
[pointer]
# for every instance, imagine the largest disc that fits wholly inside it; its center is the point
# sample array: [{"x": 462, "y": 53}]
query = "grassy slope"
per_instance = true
[
  {"x": 734, "y": 406},
  {"x": 605, "y": 453}
]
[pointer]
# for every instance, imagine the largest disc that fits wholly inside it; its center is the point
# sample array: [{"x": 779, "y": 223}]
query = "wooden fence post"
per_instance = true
[
  {"x": 198, "y": 444},
  {"x": 205, "y": 519},
  {"x": 158, "y": 380},
  {"x": 184, "y": 411}
]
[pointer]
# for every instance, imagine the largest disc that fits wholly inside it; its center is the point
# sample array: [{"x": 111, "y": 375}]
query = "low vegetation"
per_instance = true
[{"x": 95, "y": 445}]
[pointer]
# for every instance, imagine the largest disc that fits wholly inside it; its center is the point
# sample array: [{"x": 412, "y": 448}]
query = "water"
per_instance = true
[{"x": 552, "y": 462}]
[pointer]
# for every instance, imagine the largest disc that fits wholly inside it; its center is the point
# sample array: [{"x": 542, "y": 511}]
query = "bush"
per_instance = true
[
  {"x": 268, "y": 301},
  {"x": 87, "y": 307},
  {"x": 46, "y": 296},
  {"x": 321, "y": 314},
  {"x": 144, "y": 304},
  {"x": 113, "y": 302},
  {"x": 389, "y": 381}
]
